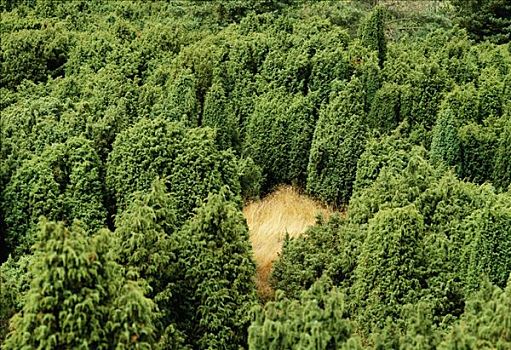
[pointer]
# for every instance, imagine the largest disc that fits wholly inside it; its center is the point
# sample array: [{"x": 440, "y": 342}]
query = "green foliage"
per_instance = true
[
  {"x": 388, "y": 273},
  {"x": 188, "y": 158},
  {"x": 217, "y": 115},
  {"x": 251, "y": 178},
  {"x": 490, "y": 245},
  {"x": 390, "y": 109},
  {"x": 80, "y": 297},
  {"x": 218, "y": 288},
  {"x": 63, "y": 183},
  {"x": 445, "y": 143},
  {"x": 392, "y": 151},
  {"x": 485, "y": 20},
  {"x": 315, "y": 321},
  {"x": 33, "y": 54},
  {"x": 372, "y": 33},
  {"x": 14, "y": 282},
  {"x": 287, "y": 133},
  {"x": 485, "y": 324},
  {"x": 329, "y": 248},
  {"x": 502, "y": 166},
  {"x": 478, "y": 145},
  {"x": 385, "y": 108},
  {"x": 338, "y": 142}
]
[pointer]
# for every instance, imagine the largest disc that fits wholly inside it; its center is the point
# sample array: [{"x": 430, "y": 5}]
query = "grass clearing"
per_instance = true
[{"x": 268, "y": 219}]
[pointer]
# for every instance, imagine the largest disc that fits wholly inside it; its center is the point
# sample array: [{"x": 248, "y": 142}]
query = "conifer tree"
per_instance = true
[
  {"x": 338, "y": 142},
  {"x": 385, "y": 108},
  {"x": 147, "y": 243},
  {"x": 317, "y": 320},
  {"x": 502, "y": 165},
  {"x": 80, "y": 297},
  {"x": 388, "y": 274},
  {"x": 445, "y": 143},
  {"x": 485, "y": 19},
  {"x": 217, "y": 115},
  {"x": 489, "y": 250},
  {"x": 218, "y": 290},
  {"x": 189, "y": 159},
  {"x": 485, "y": 323},
  {"x": 63, "y": 183},
  {"x": 285, "y": 124},
  {"x": 372, "y": 33}
]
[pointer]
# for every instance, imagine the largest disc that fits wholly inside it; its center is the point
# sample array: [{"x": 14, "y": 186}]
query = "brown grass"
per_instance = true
[{"x": 284, "y": 210}]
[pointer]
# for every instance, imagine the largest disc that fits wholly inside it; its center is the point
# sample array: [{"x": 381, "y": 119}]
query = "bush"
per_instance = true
[
  {"x": 278, "y": 137},
  {"x": 338, "y": 142},
  {"x": 189, "y": 160},
  {"x": 80, "y": 297},
  {"x": 63, "y": 183}
]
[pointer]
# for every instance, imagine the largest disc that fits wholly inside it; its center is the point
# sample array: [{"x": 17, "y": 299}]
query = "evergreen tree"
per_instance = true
[
  {"x": 285, "y": 124},
  {"x": 218, "y": 290},
  {"x": 218, "y": 115},
  {"x": 147, "y": 243},
  {"x": 385, "y": 108},
  {"x": 63, "y": 183},
  {"x": 445, "y": 143},
  {"x": 189, "y": 159},
  {"x": 485, "y": 19},
  {"x": 502, "y": 165},
  {"x": 372, "y": 33},
  {"x": 485, "y": 323},
  {"x": 489, "y": 250},
  {"x": 317, "y": 320},
  {"x": 388, "y": 273},
  {"x": 338, "y": 142},
  {"x": 80, "y": 297}
]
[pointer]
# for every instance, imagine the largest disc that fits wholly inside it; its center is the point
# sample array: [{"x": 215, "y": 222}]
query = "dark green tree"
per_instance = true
[
  {"x": 317, "y": 320},
  {"x": 485, "y": 323},
  {"x": 217, "y": 115},
  {"x": 502, "y": 165},
  {"x": 189, "y": 159},
  {"x": 278, "y": 137},
  {"x": 372, "y": 33},
  {"x": 388, "y": 273},
  {"x": 218, "y": 290},
  {"x": 80, "y": 297},
  {"x": 485, "y": 19},
  {"x": 339, "y": 140},
  {"x": 63, "y": 183}
]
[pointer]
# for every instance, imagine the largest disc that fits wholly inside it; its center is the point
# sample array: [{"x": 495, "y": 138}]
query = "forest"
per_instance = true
[{"x": 133, "y": 134}]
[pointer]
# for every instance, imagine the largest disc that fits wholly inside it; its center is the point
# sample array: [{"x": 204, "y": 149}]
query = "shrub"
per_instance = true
[
  {"x": 338, "y": 142},
  {"x": 80, "y": 297},
  {"x": 63, "y": 183},
  {"x": 188, "y": 158}
]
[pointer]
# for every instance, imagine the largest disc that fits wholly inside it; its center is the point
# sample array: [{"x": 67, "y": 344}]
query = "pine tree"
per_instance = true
[{"x": 80, "y": 297}]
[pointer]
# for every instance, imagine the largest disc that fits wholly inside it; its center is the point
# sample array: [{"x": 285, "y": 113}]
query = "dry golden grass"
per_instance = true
[{"x": 284, "y": 210}]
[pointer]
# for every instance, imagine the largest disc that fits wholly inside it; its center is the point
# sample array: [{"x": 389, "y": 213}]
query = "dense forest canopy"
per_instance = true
[{"x": 133, "y": 132}]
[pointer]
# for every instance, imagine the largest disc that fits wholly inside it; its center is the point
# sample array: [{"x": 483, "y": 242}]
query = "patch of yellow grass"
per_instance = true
[{"x": 284, "y": 210}]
